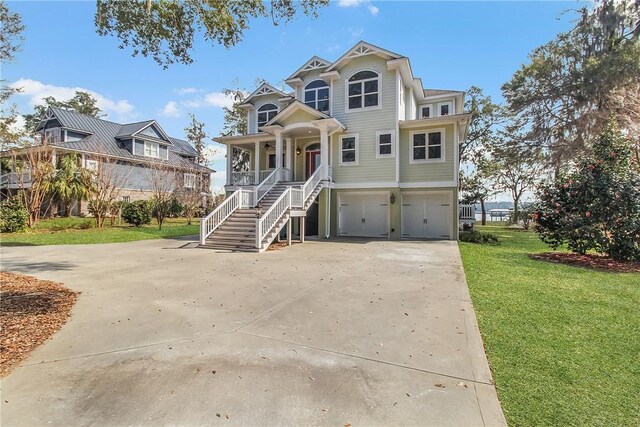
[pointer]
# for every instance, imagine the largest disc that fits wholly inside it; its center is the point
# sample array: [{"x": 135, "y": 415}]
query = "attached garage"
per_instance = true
[
  {"x": 363, "y": 214},
  {"x": 427, "y": 215}
]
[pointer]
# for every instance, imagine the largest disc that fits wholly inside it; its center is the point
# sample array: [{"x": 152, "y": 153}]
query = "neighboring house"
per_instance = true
[
  {"x": 359, "y": 148},
  {"x": 130, "y": 150}
]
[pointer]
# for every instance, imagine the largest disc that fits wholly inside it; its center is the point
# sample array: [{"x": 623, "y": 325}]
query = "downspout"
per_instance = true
[{"x": 328, "y": 214}]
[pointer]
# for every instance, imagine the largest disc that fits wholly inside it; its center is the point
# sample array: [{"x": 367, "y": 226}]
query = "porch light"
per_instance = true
[
  {"x": 392, "y": 198},
  {"x": 267, "y": 146},
  {"x": 298, "y": 151}
]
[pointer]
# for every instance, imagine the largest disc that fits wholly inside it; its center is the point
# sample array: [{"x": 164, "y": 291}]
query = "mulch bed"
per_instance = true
[
  {"x": 596, "y": 262},
  {"x": 276, "y": 246},
  {"x": 31, "y": 310}
]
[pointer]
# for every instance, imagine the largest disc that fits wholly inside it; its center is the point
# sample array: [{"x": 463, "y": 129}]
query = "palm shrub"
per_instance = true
[
  {"x": 596, "y": 206},
  {"x": 137, "y": 213},
  {"x": 13, "y": 215},
  {"x": 70, "y": 181}
]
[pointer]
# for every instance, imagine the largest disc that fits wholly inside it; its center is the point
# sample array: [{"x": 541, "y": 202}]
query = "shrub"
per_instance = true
[
  {"x": 13, "y": 215},
  {"x": 175, "y": 209},
  {"x": 137, "y": 213},
  {"x": 478, "y": 237},
  {"x": 597, "y": 205}
]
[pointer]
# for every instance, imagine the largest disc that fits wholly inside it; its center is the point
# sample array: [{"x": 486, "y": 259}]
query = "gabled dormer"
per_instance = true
[
  {"x": 56, "y": 127},
  {"x": 263, "y": 104},
  {"x": 146, "y": 139}
]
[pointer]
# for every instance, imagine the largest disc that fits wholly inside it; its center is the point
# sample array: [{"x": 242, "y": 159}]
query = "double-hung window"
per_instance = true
[
  {"x": 349, "y": 149},
  {"x": 427, "y": 146},
  {"x": 152, "y": 149},
  {"x": 189, "y": 180},
  {"x": 316, "y": 95},
  {"x": 266, "y": 113},
  {"x": 91, "y": 165},
  {"x": 385, "y": 144},
  {"x": 363, "y": 90}
]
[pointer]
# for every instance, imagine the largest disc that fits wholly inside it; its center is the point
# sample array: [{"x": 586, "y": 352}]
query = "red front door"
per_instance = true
[{"x": 312, "y": 162}]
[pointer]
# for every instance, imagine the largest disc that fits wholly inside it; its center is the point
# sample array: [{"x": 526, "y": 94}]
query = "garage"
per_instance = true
[
  {"x": 364, "y": 215},
  {"x": 426, "y": 215}
]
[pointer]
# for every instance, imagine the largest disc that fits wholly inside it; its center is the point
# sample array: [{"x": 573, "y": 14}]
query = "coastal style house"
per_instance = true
[
  {"x": 130, "y": 151},
  {"x": 358, "y": 148}
]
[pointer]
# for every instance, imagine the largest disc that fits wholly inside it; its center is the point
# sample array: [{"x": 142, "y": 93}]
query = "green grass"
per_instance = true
[
  {"x": 563, "y": 342},
  {"x": 79, "y": 231}
]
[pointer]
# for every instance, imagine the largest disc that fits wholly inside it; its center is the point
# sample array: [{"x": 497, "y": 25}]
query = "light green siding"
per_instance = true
[
  {"x": 365, "y": 123},
  {"x": 431, "y": 171},
  {"x": 252, "y": 117},
  {"x": 299, "y": 166},
  {"x": 298, "y": 117}
]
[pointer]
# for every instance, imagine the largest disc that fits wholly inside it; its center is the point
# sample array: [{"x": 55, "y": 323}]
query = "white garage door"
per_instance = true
[
  {"x": 426, "y": 216},
  {"x": 364, "y": 215}
]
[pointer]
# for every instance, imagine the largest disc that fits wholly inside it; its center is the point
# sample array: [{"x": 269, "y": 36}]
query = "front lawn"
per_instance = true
[
  {"x": 563, "y": 342},
  {"x": 78, "y": 231}
]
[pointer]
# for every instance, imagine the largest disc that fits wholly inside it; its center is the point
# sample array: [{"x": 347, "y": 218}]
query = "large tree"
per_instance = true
[
  {"x": 486, "y": 116},
  {"x": 10, "y": 43},
  {"x": 572, "y": 84},
  {"x": 165, "y": 29},
  {"x": 82, "y": 102},
  {"x": 196, "y": 135},
  {"x": 478, "y": 185}
]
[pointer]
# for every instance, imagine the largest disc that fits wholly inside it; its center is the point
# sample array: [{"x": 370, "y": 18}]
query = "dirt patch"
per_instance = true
[
  {"x": 276, "y": 246},
  {"x": 596, "y": 262},
  {"x": 31, "y": 310}
]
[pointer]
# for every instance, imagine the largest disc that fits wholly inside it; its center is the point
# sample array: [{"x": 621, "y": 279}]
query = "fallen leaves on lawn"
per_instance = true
[
  {"x": 31, "y": 310},
  {"x": 597, "y": 262}
]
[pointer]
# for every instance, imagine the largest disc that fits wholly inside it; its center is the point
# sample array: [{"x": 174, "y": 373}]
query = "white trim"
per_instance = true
[
  {"x": 372, "y": 193},
  {"x": 362, "y": 48},
  {"x": 420, "y": 107},
  {"x": 357, "y": 146},
  {"x": 456, "y": 155},
  {"x": 433, "y": 121},
  {"x": 428, "y": 184},
  {"x": 90, "y": 164},
  {"x": 393, "y": 144},
  {"x": 355, "y": 185},
  {"x": 304, "y": 155},
  {"x": 258, "y": 112},
  {"x": 452, "y": 227},
  {"x": 451, "y": 110},
  {"x": 137, "y": 133},
  {"x": 304, "y": 94},
  {"x": 346, "y": 91},
  {"x": 190, "y": 175},
  {"x": 145, "y": 149},
  {"x": 426, "y": 150}
]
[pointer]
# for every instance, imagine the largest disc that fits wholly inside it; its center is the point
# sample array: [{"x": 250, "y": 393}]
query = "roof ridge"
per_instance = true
[{"x": 85, "y": 115}]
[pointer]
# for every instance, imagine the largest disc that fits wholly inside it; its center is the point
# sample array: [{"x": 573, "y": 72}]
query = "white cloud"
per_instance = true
[
  {"x": 356, "y": 32},
  {"x": 171, "y": 110},
  {"x": 186, "y": 90},
  {"x": 36, "y": 91},
  {"x": 218, "y": 99},
  {"x": 355, "y": 3},
  {"x": 218, "y": 180}
]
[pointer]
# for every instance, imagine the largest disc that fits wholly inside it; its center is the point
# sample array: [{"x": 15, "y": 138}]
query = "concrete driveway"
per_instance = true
[{"x": 324, "y": 333}]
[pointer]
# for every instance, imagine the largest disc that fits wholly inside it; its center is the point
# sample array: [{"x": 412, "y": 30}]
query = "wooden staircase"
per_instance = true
[{"x": 238, "y": 231}]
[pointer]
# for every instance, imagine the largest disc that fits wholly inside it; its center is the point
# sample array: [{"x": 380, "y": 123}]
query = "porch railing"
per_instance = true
[
  {"x": 238, "y": 199},
  {"x": 467, "y": 212},
  {"x": 243, "y": 178},
  {"x": 12, "y": 178},
  {"x": 280, "y": 174},
  {"x": 270, "y": 218}
]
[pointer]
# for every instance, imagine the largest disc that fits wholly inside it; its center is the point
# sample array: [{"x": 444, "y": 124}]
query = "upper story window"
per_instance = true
[
  {"x": 349, "y": 150},
  {"x": 151, "y": 149},
  {"x": 189, "y": 180},
  {"x": 385, "y": 141},
  {"x": 266, "y": 113},
  {"x": 91, "y": 165},
  {"x": 427, "y": 146},
  {"x": 445, "y": 108},
  {"x": 316, "y": 95},
  {"x": 425, "y": 111},
  {"x": 363, "y": 90}
]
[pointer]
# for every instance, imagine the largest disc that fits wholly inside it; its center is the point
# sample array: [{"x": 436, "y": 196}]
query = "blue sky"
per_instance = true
[{"x": 451, "y": 45}]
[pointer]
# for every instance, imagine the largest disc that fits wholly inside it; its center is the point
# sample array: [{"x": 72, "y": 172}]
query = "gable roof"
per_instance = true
[
  {"x": 296, "y": 105},
  {"x": 436, "y": 92},
  {"x": 102, "y": 138},
  {"x": 362, "y": 48},
  {"x": 315, "y": 63},
  {"x": 131, "y": 130},
  {"x": 264, "y": 89}
]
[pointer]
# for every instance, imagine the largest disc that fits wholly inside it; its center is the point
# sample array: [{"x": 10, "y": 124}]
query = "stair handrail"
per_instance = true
[
  {"x": 237, "y": 199},
  {"x": 312, "y": 183},
  {"x": 270, "y": 218},
  {"x": 266, "y": 185}
]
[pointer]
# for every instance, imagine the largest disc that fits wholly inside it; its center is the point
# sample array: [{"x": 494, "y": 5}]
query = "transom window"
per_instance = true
[
  {"x": 316, "y": 95},
  {"x": 385, "y": 144},
  {"x": 151, "y": 149},
  {"x": 189, "y": 180},
  {"x": 427, "y": 146},
  {"x": 363, "y": 90},
  {"x": 266, "y": 113},
  {"x": 349, "y": 149}
]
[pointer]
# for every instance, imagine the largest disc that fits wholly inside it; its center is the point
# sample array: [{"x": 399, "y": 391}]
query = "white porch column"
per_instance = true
[
  {"x": 229, "y": 163},
  {"x": 256, "y": 161},
  {"x": 278, "y": 149},
  {"x": 324, "y": 151},
  {"x": 287, "y": 163}
]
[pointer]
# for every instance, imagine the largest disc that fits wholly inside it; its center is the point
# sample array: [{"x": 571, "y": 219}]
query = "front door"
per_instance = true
[{"x": 312, "y": 162}]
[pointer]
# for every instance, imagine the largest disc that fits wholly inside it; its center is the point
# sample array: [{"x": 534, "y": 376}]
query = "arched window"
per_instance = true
[
  {"x": 316, "y": 95},
  {"x": 364, "y": 90},
  {"x": 266, "y": 113}
]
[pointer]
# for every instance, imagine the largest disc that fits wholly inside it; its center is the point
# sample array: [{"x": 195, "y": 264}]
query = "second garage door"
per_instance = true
[
  {"x": 364, "y": 215},
  {"x": 426, "y": 216}
]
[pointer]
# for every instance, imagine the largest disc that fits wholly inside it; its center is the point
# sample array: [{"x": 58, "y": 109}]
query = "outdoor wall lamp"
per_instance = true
[
  {"x": 392, "y": 198},
  {"x": 298, "y": 151},
  {"x": 267, "y": 146}
]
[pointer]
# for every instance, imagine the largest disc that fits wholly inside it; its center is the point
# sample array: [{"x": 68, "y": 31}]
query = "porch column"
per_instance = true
[
  {"x": 287, "y": 162},
  {"x": 278, "y": 149},
  {"x": 256, "y": 161},
  {"x": 324, "y": 151},
  {"x": 229, "y": 163}
]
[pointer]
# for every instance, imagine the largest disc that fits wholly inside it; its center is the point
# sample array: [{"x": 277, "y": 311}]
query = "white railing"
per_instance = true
[
  {"x": 311, "y": 184},
  {"x": 270, "y": 218},
  {"x": 238, "y": 199},
  {"x": 265, "y": 174},
  {"x": 268, "y": 183},
  {"x": 243, "y": 178},
  {"x": 12, "y": 178},
  {"x": 297, "y": 198},
  {"x": 467, "y": 212}
]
